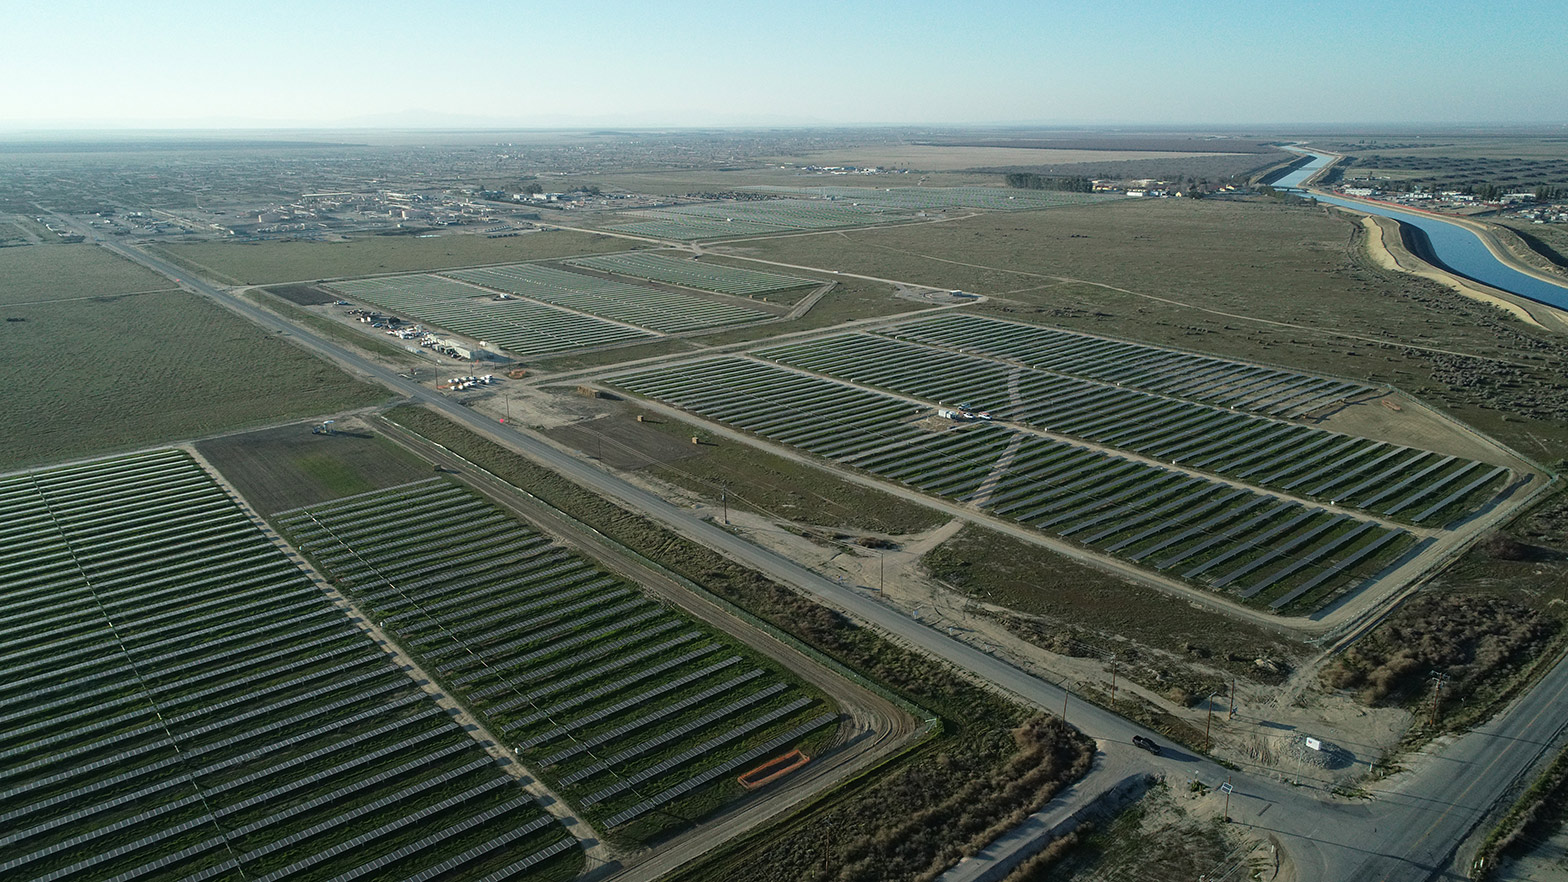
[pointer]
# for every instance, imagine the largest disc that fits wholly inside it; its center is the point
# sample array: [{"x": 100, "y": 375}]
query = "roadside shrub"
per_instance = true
[{"x": 1468, "y": 638}]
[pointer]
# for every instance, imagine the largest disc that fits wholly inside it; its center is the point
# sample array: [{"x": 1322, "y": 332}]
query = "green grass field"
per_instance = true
[
  {"x": 68, "y": 272},
  {"x": 101, "y": 375},
  {"x": 269, "y": 262},
  {"x": 289, "y": 466}
]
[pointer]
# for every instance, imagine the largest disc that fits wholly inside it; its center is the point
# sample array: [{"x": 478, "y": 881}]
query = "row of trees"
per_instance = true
[{"x": 1028, "y": 181}]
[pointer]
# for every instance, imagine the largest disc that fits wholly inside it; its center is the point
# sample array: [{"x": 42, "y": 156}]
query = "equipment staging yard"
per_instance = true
[{"x": 1283, "y": 549}]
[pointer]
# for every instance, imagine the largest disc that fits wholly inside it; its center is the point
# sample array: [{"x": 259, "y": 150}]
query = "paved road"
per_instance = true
[{"x": 1408, "y": 832}]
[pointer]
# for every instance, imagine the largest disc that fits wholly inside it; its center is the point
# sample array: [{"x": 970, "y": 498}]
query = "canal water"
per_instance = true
[{"x": 1449, "y": 244}]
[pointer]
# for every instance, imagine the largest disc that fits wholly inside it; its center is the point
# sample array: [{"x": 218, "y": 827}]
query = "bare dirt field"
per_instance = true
[
  {"x": 623, "y": 443},
  {"x": 1171, "y": 833},
  {"x": 1548, "y": 862},
  {"x": 1404, "y": 420}
]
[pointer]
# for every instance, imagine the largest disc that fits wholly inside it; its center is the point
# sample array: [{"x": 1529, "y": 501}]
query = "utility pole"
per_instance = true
[
  {"x": 724, "y": 496},
  {"x": 1208, "y": 743},
  {"x": 1232, "y": 698},
  {"x": 827, "y": 851},
  {"x": 1066, "y": 693},
  {"x": 1113, "y": 681},
  {"x": 1437, "y": 694},
  {"x": 881, "y": 572},
  {"x": 1228, "y": 789}
]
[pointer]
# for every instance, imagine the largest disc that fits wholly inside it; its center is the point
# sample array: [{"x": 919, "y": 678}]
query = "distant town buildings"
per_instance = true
[{"x": 1517, "y": 205}]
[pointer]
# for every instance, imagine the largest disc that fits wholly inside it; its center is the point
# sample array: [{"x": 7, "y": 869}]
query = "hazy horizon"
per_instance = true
[
  {"x": 436, "y": 126},
  {"x": 297, "y": 66}
]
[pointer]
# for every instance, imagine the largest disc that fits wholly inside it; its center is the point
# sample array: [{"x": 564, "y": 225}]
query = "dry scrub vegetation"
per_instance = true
[
  {"x": 1485, "y": 623},
  {"x": 1077, "y": 610},
  {"x": 1529, "y": 826},
  {"x": 1470, "y": 639},
  {"x": 914, "y": 823},
  {"x": 1155, "y": 839}
]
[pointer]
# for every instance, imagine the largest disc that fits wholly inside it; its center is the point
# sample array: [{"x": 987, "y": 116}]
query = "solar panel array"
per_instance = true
[
  {"x": 1234, "y": 384},
  {"x": 829, "y": 207},
  {"x": 622, "y": 704},
  {"x": 663, "y": 311},
  {"x": 1262, "y": 548},
  {"x": 708, "y": 220},
  {"x": 926, "y": 198},
  {"x": 691, "y": 273},
  {"x": 1390, "y": 479},
  {"x": 178, "y": 700},
  {"x": 686, "y": 228}
]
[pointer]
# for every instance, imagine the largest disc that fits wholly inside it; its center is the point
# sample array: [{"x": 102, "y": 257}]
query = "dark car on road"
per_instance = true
[{"x": 1146, "y": 743}]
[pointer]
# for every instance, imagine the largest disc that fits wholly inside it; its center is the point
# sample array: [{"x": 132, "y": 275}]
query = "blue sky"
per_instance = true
[{"x": 325, "y": 63}]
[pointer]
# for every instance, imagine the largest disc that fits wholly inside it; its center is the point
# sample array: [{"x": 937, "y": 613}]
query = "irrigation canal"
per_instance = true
[{"x": 1454, "y": 246}]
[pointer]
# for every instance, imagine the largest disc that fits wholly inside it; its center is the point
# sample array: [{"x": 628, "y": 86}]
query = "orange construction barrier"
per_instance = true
[{"x": 773, "y": 769}]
